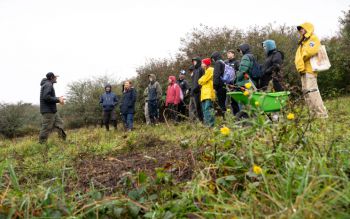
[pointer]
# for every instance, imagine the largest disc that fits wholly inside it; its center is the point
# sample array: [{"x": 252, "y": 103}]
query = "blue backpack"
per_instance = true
[
  {"x": 255, "y": 72},
  {"x": 229, "y": 74}
]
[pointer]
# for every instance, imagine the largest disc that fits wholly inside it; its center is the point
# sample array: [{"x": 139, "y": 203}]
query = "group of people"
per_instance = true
[
  {"x": 109, "y": 101},
  {"x": 209, "y": 84},
  {"x": 211, "y": 79}
]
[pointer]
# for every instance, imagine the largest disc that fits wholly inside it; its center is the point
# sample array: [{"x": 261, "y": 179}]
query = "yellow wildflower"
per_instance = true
[
  {"x": 225, "y": 131},
  {"x": 257, "y": 103},
  {"x": 290, "y": 116},
  {"x": 257, "y": 170},
  {"x": 246, "y": 93},
  {"x": 248, "y": 85}
]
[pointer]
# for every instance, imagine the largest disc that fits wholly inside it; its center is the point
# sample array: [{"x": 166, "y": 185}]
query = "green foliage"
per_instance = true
[
  {"x": 18, "y": 119},
  {"x": 338, "y": 47}
]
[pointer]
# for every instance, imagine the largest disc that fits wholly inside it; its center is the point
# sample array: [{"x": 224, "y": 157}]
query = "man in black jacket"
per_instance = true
[
  {"x": 219, "y": 86},
  {"x": 231, "y": 60},
  {"x": 272, "y": 67},
  {"x": 48, "y": 109},
  {"x": 182, "y": 82},
  {"x": 198, "y": 72}
]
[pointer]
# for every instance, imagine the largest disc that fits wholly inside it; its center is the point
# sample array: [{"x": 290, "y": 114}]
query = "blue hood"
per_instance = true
[{"x": 269, "y": 45}]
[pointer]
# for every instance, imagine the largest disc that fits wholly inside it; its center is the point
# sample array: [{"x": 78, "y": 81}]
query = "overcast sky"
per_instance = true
[{"x": 80, "y": 39}]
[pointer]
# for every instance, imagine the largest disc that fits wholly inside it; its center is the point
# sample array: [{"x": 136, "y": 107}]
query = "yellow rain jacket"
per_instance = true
[
  {"x": 207, "y": 87},
  {"x": 309, "y": 44}
]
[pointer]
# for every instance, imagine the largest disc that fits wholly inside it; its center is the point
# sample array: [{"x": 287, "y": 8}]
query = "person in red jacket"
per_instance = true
[{"x": 173, "y": 97}]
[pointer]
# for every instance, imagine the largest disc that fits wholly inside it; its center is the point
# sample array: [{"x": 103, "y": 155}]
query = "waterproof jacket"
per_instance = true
[
  {"x": 153, "y": 90},
  {"x": 108, "y": 101},
  {"x": 128, "y": 100},
  {"x": 173, "y": 93},
  {"x": 309, "y": 44},
  {"x": 48, "y": 99},
  {"x": 197, "y": 73},
  {"x": 273, "y": 62},
  {"x": 245, "y": 65},
  {"x": 206, "y": 81},
  {"x": 219, "y": 69},
  {"x": 183, "y": 85}
]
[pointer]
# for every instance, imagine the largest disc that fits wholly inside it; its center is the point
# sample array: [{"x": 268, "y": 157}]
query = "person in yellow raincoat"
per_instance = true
[
  {"x": 308, "y": 46},
  {"x": 207, "y": 93}
]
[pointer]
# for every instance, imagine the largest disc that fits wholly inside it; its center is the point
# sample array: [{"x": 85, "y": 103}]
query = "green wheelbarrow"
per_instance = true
[{"x": 266, "y": 102}]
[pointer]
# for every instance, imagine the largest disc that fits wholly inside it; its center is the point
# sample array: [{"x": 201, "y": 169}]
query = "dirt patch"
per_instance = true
[{"x": 108, "y": 171}]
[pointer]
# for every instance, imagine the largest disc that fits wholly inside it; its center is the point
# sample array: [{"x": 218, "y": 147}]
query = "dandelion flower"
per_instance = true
[
  {"x": 248, "y": 85},
  {"x": 225, "y": 131},
  {"x": 257, "y": 170},
  {"x": 246, "y": 93},
  {"x": 290, "y": 116}
]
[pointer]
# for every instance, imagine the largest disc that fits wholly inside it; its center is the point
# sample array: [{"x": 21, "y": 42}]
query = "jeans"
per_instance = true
[
  {"x": 128, "y": 120},
  {"x": 208, "y": 112}
]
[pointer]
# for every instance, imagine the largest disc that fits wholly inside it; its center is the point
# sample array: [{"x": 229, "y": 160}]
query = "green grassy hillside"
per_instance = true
[{"x": 297, "y": 168}]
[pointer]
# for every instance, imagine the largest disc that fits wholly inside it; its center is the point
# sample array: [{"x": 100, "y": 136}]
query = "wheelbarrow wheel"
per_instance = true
[{"x": 242, "y": 115}]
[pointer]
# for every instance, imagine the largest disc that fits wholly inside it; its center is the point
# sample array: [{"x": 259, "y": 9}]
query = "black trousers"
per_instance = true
[
  {"x": 221, "y": 95},
  {"x": 276, "y": 81},
  {"x": 198, "y": 104},
  {"x": 173, "y": 112},
  {"x": 109, "y": 116},
  {"x": 182, "y": 109},
  {"x": 234, "y": 106}
]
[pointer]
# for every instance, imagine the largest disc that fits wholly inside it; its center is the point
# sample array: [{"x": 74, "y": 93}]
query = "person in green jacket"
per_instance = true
[{"x": 245, "y": 67}]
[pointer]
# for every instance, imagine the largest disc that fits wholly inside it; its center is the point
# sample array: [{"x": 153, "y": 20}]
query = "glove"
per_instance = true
[{"x": 246, "y": 76}]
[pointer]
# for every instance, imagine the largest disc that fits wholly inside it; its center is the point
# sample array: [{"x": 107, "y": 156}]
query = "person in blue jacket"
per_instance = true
[
  {"x": 108, "y": 101},
  {"x": 127, "y": 105}
]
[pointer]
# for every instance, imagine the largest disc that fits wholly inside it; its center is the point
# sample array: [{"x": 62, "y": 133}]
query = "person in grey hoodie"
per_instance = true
[
  {"x": 152, "y": 94},
  {"x": 108, "y": 101},
  {"x": 48, "y": 109}
]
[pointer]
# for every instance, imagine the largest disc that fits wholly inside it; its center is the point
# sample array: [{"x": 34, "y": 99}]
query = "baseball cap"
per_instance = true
[{"x": 50, "y": 75}]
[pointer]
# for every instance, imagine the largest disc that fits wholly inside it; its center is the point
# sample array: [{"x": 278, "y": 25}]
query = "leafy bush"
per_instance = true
[{"x": 18, "y": 119}]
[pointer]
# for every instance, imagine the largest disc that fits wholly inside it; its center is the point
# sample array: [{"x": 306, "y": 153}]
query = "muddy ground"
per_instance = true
[{"x": 107, "y": 172}]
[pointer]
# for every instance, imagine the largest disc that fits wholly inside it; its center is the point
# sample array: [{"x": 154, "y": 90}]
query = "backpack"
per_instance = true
[
  {"x": 255, "y": 71},
  {"x": 181, "y": 93},
  {"x": 282, "y": 54},
  {"x": 229, "y": 74}
]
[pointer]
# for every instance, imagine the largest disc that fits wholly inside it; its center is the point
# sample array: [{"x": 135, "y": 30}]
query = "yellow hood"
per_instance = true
[{"x": 309, "y": 29}]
